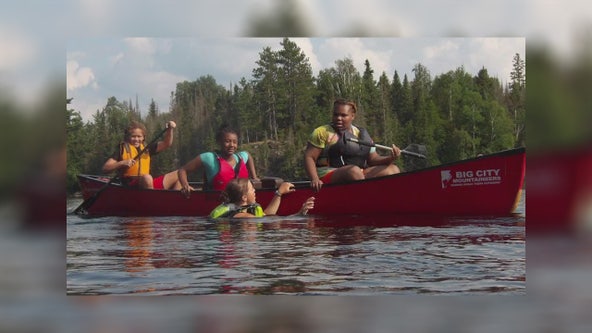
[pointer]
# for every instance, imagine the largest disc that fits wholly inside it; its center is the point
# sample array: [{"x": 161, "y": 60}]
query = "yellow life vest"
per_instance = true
[
  {"x": 142, "y": 165},
  {"x": 230, "y": 209}
]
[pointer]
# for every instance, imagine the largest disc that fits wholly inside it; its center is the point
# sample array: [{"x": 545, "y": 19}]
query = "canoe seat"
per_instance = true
[{"x": 267, "y": 183}]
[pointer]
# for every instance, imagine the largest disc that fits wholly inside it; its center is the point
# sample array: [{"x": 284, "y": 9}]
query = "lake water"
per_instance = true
[{"x": 346, "y": 255}]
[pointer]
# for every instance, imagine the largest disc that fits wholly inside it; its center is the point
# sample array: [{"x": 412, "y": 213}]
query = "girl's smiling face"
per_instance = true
[
  {"x": 136, "y": 137},
  {"x": 229, "y": 144}
]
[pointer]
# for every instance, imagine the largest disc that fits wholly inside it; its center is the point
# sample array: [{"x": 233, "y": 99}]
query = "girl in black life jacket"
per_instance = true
[{"x": 331, "y": 158}]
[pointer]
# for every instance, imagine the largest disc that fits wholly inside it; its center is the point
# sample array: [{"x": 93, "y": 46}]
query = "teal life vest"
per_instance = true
[{"x": 230, "y": 209}]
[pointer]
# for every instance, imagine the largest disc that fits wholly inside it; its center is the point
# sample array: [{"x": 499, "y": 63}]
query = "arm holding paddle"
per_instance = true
[
  {"x": 371, "y": 144},
  {"x": 168, "y": 137},
  {"x": 112, "y": 164},
  {"x": 375, "y": 159}
]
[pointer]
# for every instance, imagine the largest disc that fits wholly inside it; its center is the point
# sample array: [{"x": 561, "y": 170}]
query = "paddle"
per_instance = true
[
  {"x": 370, "y": 144},
  {"x": 81, "y": 209}
]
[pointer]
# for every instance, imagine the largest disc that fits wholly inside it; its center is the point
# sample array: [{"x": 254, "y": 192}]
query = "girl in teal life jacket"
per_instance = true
[
  {"x": 239, "y": 201},
  {"x": 219, "y": 166}
]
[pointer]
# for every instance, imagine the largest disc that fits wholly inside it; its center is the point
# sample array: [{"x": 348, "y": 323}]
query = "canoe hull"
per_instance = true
[{"x": 487, "y": 185}]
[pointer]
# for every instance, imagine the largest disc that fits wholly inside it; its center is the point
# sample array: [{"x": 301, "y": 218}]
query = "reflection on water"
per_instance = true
[{"x": 345, "y": 255}]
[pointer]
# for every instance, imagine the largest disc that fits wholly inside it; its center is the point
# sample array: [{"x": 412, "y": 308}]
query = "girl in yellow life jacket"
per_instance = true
[
  {"x": 134, "y": 169},
  {"x": 239, "y": 200}
]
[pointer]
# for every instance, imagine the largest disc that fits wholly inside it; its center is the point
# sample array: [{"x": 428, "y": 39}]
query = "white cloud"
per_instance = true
[
  {"x": 158, "y": 86},
  {"x": 359, "y": 50},
  {"x": 444, "y": 47},
  {"x": 78, "y": 77}
]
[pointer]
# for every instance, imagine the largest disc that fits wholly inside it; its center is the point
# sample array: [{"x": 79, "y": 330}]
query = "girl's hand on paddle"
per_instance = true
[
  {"x": 128, "y": 163},
  {"x": 307, "y": 205},
  {"x": 171, "y": 124},
  {"x": 186, "y": 191},
  {"x": 396, "y": 152}
]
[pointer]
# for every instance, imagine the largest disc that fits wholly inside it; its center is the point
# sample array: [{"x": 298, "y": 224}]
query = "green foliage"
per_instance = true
[{"x": 455, "y": 115}]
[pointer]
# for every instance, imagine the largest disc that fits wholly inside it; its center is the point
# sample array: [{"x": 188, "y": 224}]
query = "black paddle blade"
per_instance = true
[
  {"x": 82, "y": 209},
  {"x": 411, "y": 162}
]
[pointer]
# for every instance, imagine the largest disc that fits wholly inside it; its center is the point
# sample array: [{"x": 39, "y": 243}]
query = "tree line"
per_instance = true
[{"x": 455, "y": 115}]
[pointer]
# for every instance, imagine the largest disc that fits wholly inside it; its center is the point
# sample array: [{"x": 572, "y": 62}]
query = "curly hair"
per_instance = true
[{"x": 132, "y": 126}]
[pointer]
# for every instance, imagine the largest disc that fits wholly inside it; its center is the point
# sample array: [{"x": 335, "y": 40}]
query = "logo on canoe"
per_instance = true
[{"x": 451, "y": 178}]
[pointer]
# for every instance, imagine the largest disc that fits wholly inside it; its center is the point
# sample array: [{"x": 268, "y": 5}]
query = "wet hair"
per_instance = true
[
  {"x": 223, "y": 130},
  {"x": 132, "y": 126},
  {"x": 341, "y": 101},
  {"x": 235, "y": 189}
]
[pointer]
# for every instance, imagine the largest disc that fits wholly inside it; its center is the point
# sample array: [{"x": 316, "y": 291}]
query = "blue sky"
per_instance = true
[{"x": 150, "y": 68}]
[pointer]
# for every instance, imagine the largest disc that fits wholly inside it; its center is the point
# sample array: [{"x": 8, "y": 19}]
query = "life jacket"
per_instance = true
[
  {"x": 344, "y": 152},
  {"x": 230, "y": 209},
  {"x": 227, "y": 173},
  {"x": 142, "y": 166}
]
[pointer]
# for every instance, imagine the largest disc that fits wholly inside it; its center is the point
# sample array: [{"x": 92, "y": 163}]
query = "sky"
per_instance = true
[
  {"x": 86, "y": 42},
  {"x": 149, "y": 68}
]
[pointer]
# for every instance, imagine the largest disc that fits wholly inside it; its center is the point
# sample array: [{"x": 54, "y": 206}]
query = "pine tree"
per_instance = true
[
  {"x": 296, "y": 73},
  {"x": 368, "y": 107},
  {"x": 265, "y": 80},
  {"x": 517, "y": 99}
]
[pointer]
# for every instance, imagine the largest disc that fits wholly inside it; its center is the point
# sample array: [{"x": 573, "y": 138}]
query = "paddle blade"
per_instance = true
[
  {"x": 82, "y": 208},
  {"x": 411, "y": 162}
]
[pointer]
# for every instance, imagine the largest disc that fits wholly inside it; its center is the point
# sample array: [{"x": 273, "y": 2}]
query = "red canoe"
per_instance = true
[{"x": 486, "y": 185}]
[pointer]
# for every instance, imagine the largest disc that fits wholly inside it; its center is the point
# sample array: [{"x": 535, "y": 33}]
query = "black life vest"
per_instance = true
[{"x": 345, "y": 152}]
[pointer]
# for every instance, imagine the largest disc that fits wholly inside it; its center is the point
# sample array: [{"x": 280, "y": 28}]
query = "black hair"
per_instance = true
[
  {"x": 223, "y": 130},
  {"x": 342, "y": 101}
]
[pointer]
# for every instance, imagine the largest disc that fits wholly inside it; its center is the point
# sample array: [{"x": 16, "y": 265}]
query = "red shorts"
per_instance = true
[
  {"x": 157, "y": 183},
  {"x": 327, "y": 178}
]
